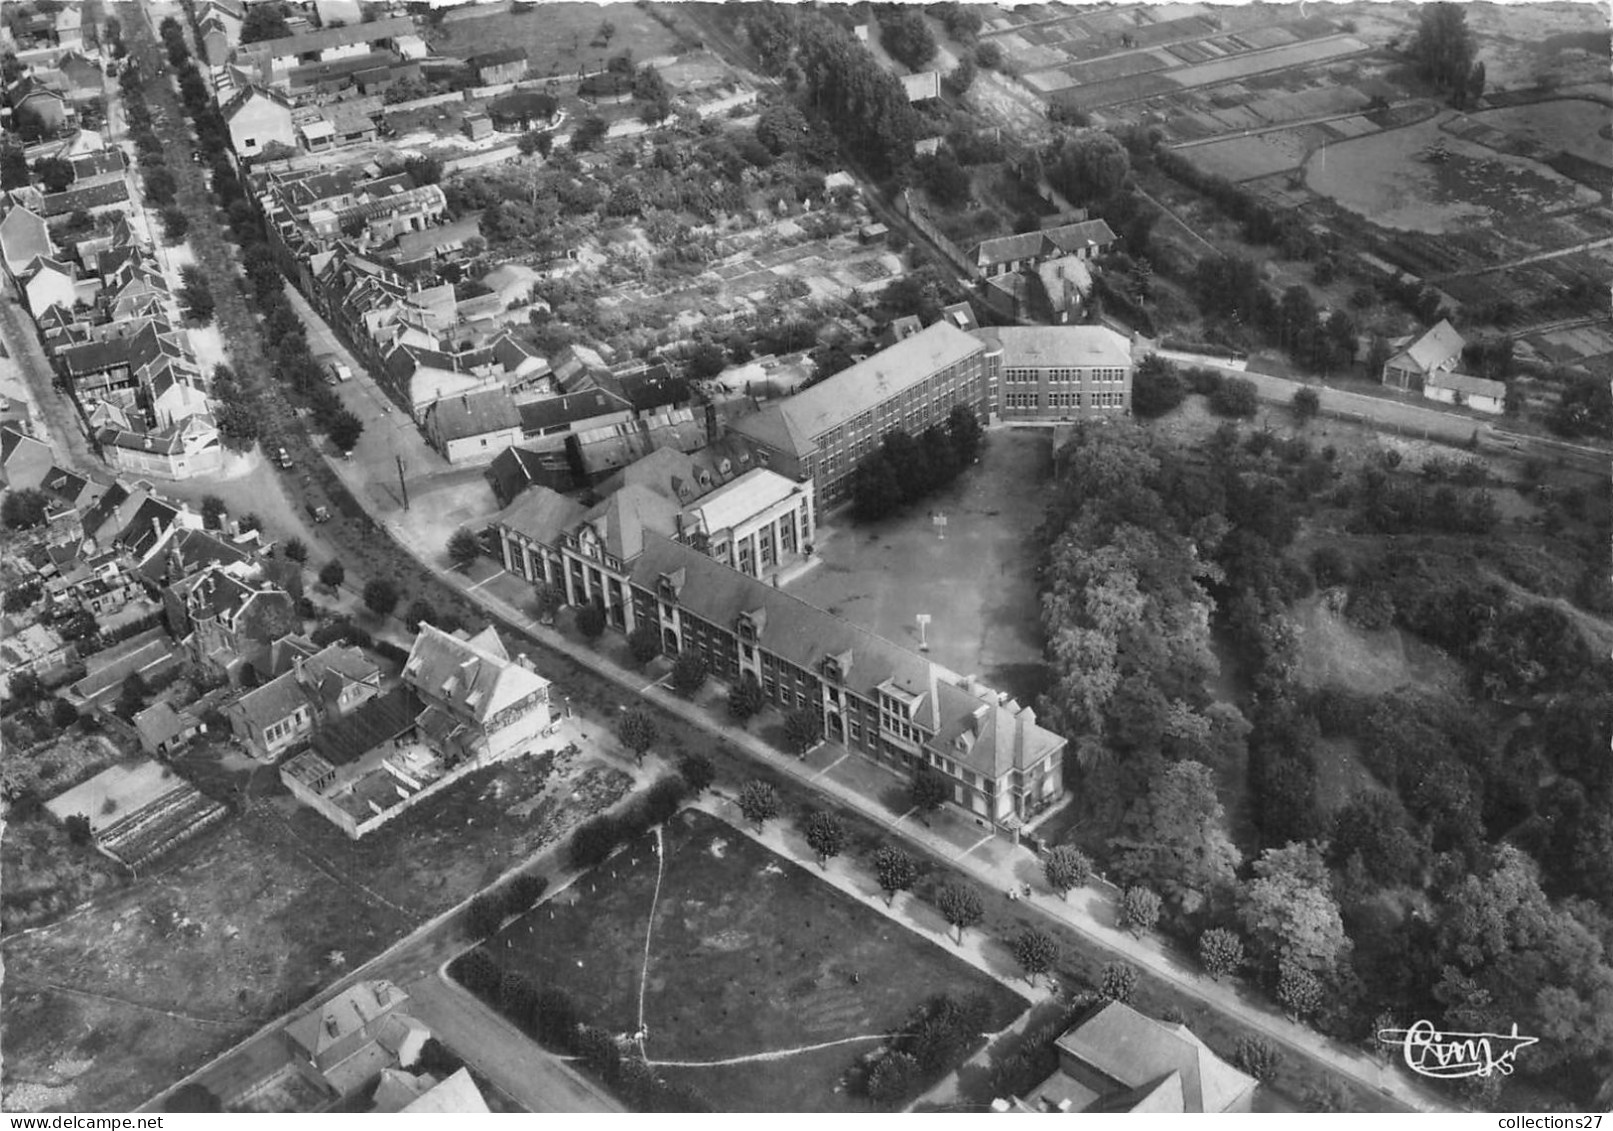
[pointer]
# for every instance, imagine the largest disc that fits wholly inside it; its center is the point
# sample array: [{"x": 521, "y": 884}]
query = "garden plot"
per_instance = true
[
  {"x": 1387, "y": 178},
  {"x": 1277, "y": 59},
  {"x": 1569, "y": 125},
  {"x": 738, "y": 965},
  {"x": 1245, "y": 158}
]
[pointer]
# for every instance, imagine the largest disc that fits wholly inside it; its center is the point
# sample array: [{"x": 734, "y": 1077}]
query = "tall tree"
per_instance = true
[
  {"x": 638, "y": 733},
  {"x": 464, "y": 548},
  {"x": 759, "y": 802},
  {"x": 1036, "y": 951},
  {"x": 960, "y": 905},
  {"x": 896, "y": 871},
  {"x": 1175, "y": 839},
  {"x": 1289, "y": 911},
  {"x": 825, "y": 835},
  {"x": 1066, "y": 867}
]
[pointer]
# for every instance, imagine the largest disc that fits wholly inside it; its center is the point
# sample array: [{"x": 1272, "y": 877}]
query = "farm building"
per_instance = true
[
  {"x": 1439, "y": 350},
  {"x": 507, "y": 64},
  {"x": 1465, "y": 391}
]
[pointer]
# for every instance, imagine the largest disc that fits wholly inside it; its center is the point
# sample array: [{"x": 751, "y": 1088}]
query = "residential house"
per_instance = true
[
  {"x": 1437, "y": 351},
  {"x": 106, "y": 196},
  {"x": 280, "y": 714},
  {"x": 356, "y": 1035},
  {"x": 37, "y": 108},
  {"x": 1120, "y": 1060},
  {"x": 1087, "y": 239},
  {"x": 1059, "y": 290},
  {"x": 1058, "y": 372},
  {"x": 878, "y": 699},
  {"x": 225, "y": 612},
  {"x": 822, "y": 433},
  {"x": 183, "y": 449},
  {"x": 425, "y": 1095},
  {"x": 216, "y": 41},
  {"x": 24, "y": 461},
  {"x": 69, "y": 27},
  {"x": 164, "y": 730},
  {"x": 504, "y": 65},
  {"x": 257, "y": 118},
  {"x": 272, "y": 61},
  {"x": 24, "y": 238},
  {"x": 46, "y": 283},
  {"x": 473, "y": 427},
  {"x": 482, "y": 705}
]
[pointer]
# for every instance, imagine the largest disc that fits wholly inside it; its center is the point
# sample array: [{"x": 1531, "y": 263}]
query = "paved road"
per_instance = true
[
  {"x": 533, "y": 1078},
  {"x": 53, "y": 414}
]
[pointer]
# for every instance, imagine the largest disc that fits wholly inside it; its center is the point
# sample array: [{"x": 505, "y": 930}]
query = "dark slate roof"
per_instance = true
[
  {"x": 570, "y": 409},
  {"x": 95, "y": 196},
  {"x": 654, "y": 388},
  {"x": 382, "y": 719},
  {"x": 498, "y": 57}
]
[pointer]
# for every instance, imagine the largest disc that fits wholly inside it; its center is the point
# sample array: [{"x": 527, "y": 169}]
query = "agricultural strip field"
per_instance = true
[
  {"x": 748, "y": 954},
  {"x": 1277, "y": 59}
]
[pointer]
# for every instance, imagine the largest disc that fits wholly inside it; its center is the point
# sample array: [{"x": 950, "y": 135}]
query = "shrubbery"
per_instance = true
[{"x": 595, "y": 840}]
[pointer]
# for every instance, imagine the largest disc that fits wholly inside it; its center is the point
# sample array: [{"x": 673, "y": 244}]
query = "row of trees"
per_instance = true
[{"x": 906, "y": 469}]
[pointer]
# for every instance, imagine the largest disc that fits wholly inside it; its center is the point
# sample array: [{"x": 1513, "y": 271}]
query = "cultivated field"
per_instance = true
[
  {"x": 978, "y": 583},
  {"x": 560, "y": 39},
  {"x": 746, "y": 954},
  {"x": 1388, "y": 178}
]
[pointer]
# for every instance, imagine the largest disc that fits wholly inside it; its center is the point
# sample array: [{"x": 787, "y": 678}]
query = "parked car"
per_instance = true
[
  {"x": 318, "y": 513},
  {"x": 282, "y": 457},
  {"x": 336, "y": 371}
]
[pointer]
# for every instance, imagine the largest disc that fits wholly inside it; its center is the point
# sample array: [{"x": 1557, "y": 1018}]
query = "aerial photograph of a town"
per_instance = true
[{"x": 840, "y": 558}]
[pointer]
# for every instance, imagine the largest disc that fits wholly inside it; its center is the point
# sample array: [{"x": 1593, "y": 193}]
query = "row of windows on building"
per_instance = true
[
  {"x": 1020, "y": 376},
  {"x": 1115, "y": 399},
  {"x": 846, "y": 451}
]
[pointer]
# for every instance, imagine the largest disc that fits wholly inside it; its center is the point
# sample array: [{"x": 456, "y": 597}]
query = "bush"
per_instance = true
[
  {"x": 380, "y": 596},
  {"x": 644, "y": 643},
  {"x": 1257, "y": 1057},
  {"x": 1139, "y": 910},
  {"x": 1156, "y": 387},
  {"x": 745, "y": 699},
  {"x": 1220, "y": 952},
  {"x": 525, "y": 890},
  {"x": 593, "y": 842},
  {"x": 1118, "y": 982},
  {"x": 697, "y": 773},
  {"x": 1236, "y": 398},
  {"x": 688, "y": 673},
  {"x": 591, "y": 622},
  {"x": 484, "y": 916}
]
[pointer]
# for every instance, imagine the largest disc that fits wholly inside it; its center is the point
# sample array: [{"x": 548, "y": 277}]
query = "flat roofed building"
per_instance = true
[{"x": 753, "y": 523}]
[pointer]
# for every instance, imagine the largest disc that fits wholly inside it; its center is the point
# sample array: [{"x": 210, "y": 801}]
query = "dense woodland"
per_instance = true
[{"x": 1470, "y": 884}]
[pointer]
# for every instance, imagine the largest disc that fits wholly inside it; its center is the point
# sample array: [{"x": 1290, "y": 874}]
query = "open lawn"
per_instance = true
[
  {"x": 560, "y": 39},
  {"x": 1571, "y": 125},
  {"x": 748, "y": 953},
  {"x": 978, "y": 582}
]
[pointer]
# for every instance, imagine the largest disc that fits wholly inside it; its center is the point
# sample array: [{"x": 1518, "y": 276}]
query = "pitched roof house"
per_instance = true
[
  {"x": 24, "y": 236},
  {"x": 480, "y": 703},
  {"x": 1120, "y": 1060},
  {"x": 1438, "y": 350},
  {"x": 473, "y": 427}
]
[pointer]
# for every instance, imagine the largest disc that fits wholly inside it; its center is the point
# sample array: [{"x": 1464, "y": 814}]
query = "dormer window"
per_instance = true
[
  {"x": 831, "y": 671},
  {"x": 747, "y": 630}
]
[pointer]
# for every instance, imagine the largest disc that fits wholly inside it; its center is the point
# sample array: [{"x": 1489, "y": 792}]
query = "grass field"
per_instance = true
[
  {"x": 749, "y": 953},
  {"x": 1571, "y": 125},
  {"x": 978, "y": 584},
  {"x": 560, "y": 39}
]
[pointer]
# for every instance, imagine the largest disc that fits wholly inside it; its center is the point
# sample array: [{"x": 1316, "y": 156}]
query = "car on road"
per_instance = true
[
  {"x": 318, "y": 513},
  {"x": 336, "y": 371},
  {"x": 282, "y": 457}
]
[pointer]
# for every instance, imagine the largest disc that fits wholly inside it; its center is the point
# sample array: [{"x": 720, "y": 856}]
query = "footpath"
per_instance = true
[{"x": 1090, "y": 911}]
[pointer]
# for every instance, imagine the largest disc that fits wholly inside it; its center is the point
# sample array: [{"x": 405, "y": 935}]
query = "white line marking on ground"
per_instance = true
[
  {"x": 975, "y": 845},
  {"x": 905, "y": 815},
  {"x": 831, "y": 765},
  {"x": 649, "y": 927},
  {"x": 778, "y": 1054}
]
